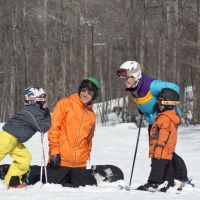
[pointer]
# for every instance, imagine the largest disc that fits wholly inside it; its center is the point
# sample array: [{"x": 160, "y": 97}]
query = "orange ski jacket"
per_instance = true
[
  {"x": 71, "y": 132},
  {"x": 163, "y": 135}
]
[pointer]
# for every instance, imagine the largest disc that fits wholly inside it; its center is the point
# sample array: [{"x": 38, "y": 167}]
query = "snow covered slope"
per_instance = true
[{"x": 116, "y": 145}]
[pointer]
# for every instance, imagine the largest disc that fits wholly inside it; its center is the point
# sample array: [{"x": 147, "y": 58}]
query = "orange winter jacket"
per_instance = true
[
  {"x": 163, "y": 135},
  {"x": 72, "y": 131}
]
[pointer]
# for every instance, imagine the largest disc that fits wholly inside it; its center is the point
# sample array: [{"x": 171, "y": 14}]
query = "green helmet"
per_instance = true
[{"x": 95, "y": 81}]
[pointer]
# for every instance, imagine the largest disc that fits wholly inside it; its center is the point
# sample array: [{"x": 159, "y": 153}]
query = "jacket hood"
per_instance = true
[
  {"x": 74, "y": 97},
  {"x": 172, "y": 115}
]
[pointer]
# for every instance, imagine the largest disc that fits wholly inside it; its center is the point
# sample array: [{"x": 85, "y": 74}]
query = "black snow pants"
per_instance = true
[
  {"x": 70, "y": 177},
  {"x": 180, "y": 169},
  {"x": 161, "y": 170}
]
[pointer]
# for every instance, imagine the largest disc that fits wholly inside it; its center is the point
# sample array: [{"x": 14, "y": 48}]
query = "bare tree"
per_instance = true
[{"x": 56, "y": 44}]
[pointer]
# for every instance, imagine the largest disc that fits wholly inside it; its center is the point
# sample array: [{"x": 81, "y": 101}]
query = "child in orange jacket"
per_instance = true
[{"x": 163, "y": 137}]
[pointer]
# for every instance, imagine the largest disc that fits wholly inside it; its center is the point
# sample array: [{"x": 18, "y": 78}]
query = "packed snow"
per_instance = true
[{"x": 116, "y": 145}]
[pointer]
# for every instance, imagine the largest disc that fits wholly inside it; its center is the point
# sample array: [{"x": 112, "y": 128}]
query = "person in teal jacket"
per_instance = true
[{"x": 144, "y": 90}]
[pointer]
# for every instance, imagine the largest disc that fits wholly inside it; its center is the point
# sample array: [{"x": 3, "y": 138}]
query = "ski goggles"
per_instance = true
[
  {"x": 163, "y": 102},
  {"x": 122, "y": 73},
  {"x": 41, "y": 98}
]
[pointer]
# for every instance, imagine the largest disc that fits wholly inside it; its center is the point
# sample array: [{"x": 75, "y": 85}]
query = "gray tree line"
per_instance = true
[{"x": 57, "y": 43}]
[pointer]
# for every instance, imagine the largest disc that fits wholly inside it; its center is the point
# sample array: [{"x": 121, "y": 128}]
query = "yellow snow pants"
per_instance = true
[{"x": 9, "y": 145}]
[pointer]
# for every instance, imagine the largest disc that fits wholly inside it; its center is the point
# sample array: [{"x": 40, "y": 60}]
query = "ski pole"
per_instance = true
[
  {"x": 136, "y": 149},
  {"x": 43, "y": 160}
]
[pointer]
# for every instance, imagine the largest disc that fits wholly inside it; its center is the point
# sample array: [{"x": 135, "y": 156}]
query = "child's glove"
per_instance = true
[{"x": 55, "y": 160}]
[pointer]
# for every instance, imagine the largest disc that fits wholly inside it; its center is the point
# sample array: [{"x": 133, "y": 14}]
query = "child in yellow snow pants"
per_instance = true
[{"x": 34, "y": 117}]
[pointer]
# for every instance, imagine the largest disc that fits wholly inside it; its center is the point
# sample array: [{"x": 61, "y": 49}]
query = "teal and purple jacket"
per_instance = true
[{"x": 145, "y": 95}]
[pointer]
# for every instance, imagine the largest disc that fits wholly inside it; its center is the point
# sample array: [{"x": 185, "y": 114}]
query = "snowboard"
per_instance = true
[{"x": 105, "y": 173}]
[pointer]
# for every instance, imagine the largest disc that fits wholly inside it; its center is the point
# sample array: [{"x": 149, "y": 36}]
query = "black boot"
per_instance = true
[
  {"x": 151, "y": 187},
  {"x": 164, "y": 189}
]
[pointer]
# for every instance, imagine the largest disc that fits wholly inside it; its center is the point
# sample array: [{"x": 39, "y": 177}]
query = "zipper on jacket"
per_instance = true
[{"x": 78, "y": 135}]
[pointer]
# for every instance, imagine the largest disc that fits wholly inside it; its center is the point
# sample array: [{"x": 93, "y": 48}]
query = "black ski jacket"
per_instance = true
[{"x": 27, "y": 122}]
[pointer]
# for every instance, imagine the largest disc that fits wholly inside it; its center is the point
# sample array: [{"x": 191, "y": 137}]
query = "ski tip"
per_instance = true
[{"x": 122, "y": 187}]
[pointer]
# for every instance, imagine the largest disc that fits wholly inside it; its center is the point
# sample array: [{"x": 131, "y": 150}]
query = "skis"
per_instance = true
[{"x": 161, "y": 188}]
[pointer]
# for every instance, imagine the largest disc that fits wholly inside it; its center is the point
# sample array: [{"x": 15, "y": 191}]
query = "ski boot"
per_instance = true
[{"x": 151, "y": 187}]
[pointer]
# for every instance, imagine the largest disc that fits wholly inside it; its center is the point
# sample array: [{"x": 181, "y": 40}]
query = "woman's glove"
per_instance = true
[{"x": 55, "y": 160}]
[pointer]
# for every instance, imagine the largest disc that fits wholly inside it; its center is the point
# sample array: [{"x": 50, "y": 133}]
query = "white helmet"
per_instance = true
[
  {"x": 133, "y": 69},
  {"x": 34, "y": 94}
]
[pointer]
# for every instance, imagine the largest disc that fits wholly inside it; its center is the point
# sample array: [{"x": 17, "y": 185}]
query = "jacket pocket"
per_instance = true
[{"x": 158, "y": 149}]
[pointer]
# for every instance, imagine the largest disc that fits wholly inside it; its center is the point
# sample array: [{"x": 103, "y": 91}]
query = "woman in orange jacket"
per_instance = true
[
  {"x": 70, "y": 137},
  {"x": 163, "y": 137}
]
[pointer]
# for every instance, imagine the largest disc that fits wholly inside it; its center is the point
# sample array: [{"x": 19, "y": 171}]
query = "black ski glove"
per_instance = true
[{"x": 55, "y": 160}]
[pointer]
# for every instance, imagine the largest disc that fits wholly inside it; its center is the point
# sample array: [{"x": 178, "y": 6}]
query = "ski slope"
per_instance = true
[{"x": 116, "y": 145}]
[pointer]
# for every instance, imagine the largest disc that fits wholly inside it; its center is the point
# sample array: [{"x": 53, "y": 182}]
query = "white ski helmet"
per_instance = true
[
  {"x": 34, "y": 94},
  {"x": 132, "y": 68}
]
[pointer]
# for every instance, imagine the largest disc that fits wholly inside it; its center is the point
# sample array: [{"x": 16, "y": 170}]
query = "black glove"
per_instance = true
[{"x": 55, "y": 160}]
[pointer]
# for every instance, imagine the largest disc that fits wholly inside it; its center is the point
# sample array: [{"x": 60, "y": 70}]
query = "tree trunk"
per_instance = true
[
  {"x": 196, "y": 79},
  {"x": 86, "y": 62},
  {"x": 12, "y": 96},
  {"x": 46, "y": 70},
  {"x": 143, "y": 34}
]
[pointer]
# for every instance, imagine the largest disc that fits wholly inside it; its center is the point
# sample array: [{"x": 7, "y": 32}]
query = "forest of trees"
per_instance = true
[{"x": 57, "y": 43}]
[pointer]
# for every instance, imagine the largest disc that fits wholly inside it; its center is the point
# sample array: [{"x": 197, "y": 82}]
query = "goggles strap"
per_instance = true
[
  {"x": 34, "y": 99},
  {"x": 171, "y": 103}
]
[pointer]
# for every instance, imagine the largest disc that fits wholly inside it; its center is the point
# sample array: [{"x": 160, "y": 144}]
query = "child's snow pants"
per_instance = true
[{"x": 9, "y": 145}]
